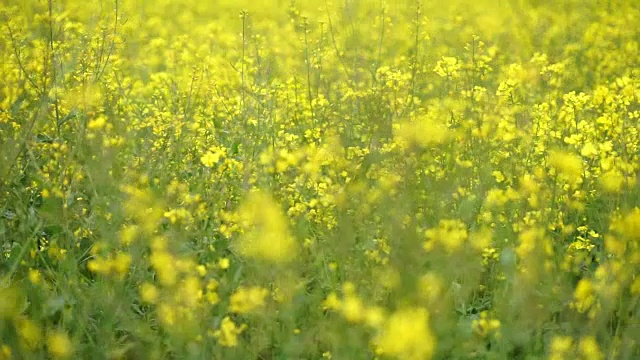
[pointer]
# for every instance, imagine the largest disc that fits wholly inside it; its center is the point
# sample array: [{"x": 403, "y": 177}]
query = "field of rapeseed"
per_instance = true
[{"x": 320, "y": 179}]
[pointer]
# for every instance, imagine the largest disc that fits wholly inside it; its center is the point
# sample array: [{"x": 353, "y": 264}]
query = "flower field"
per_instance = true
[{"x": 320, "y": 179}]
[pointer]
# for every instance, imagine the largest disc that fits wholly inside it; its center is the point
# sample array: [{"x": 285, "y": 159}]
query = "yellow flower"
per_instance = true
[
  {"x": 266, "y": 230},
  {"x": 331, "y": 302},
  {"x": 560, "y": 348},
  {"x": 97, "y": 123},
  {"x": 223, "y": 263},
  {"x": 589, "y": 150},
  {"x": 5, "y": 352},
  {"x": 423, "y": 132},
  {"x": 567, "y": 164},
  {"x": 34, "y": 276},
  {"x": 228, "y": 333},
  {"x": 164, "y": 264},
  {"x": 406, "y": 335},
  {"x": 629, "y": 225},
  {"x": 612, "y": 181},
  {"x": 213, "y": 156},
  {"x": 485, "y": 325},
  {"x": 128, "y": 234},
  {"x": 450, "y": 233},
  {"x": 148, "y": 293},
  {"x": 245, "y": 300},
  {"x": 589, "y": 348},
  {"x": 352, "y": 308},
  {"x": 59, "y": 345},
  {"x": 30, "y": 334},
  {"x": 498, "y": 175},
  {"x": 447, "y": 67},
  {"x": 121, "y": 263},
  {"x": 430, "y": 286},
  {"x": 211, "y": 295},
  {"x": 167, "y": 314},
  {"x": 584, "y": 295},
  {"x": 374, "y": 316}
]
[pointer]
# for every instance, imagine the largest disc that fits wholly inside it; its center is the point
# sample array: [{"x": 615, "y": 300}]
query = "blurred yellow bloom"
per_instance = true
[
  {"x": 245, "y": 300},
  {"x": 97, "y": 123},
  {"x": 485, "y": 326},
  {"x": 59, "y": 345},
  {"x": 560, "y": 348},
  {"x": 224, "y": 263},
  {"x": 449, "y": 233},
  {"x": 589, "y": 348},
  {"x": 210, "y": 158},
  {"x": 30, "y": 334},
  {"x": 148, "y": 293},
  {"x": 612, "y": 181},
  {"x": 589, "y": 150},
  {"x": 584, "y": 295},
  {"x": 352, "y": 308},
  {"x": 567, "y": 164},
  {"x": 266, "y": 230},
  {"x": 422, "y": 132},
  {"x": 5, "y": 352},
  {"x": 406, "y": 335},
  {"x": 228, "y": 333}
]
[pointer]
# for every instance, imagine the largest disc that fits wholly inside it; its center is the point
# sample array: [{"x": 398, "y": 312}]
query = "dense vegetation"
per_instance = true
[{"x": 354, "y": 179}]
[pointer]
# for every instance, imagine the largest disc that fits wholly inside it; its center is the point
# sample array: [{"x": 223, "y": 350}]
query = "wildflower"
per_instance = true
[
  {"x": 189, "y": 292},
  {"x": 128, "y": 234},
  {"x": 211, "y": 295},
  {"x": 589, "y": 150},
  {"x": 629, "y": 225},
  {"x": 560, "y": 348},
  {"x": 164, "y": 265},
  {"x": 34, "y": 276},
  {"x": 228, "y": 333},
  {"x": 5, "y": 352},
  {"x": 447, "y": 67},
  {"x": 498, "y": 175},
  {"x": 423, "y": 132},
  {"x": 59, "y": 345},
  {"x": 121, "y": 263},
  {"x": 450, "y": 233},
  {"x": 97, "y": 123},
  {"x": 245, "y": 300},
  {"x": 583, "y": 296},
  {"x": 223, "y": 263},
  {"x": 352, "y": 308},
  {"x": 612, "y": 181},
  {"x": 374, "y": 316},
  {"x": 485, "y": 325},
  {"x": 148, "y": 293},
  {"x": 167, "y": 314},
  {"x": 567, "y": 164},
  {"x": 331, "y": 302},
  {"x": 589, "y": 348},
  {"x": 430, "y": 286},
  {"x": 213, "y": 156},
  {"x": 406, "y": 334},
  {"x": 267, "y": 235},
  {"x": 30, "y": 334}
]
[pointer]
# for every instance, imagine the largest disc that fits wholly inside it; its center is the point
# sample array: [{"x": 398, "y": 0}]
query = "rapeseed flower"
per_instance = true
[
  {"x": 59, "y": 346},
  {"x": 266, "y": 231},
  {"x": 568, "y": 165},
  {"x": 228, "y": 333},
  {"x": 406, "y": 335},
  {"x": 245, "y": 300}
]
